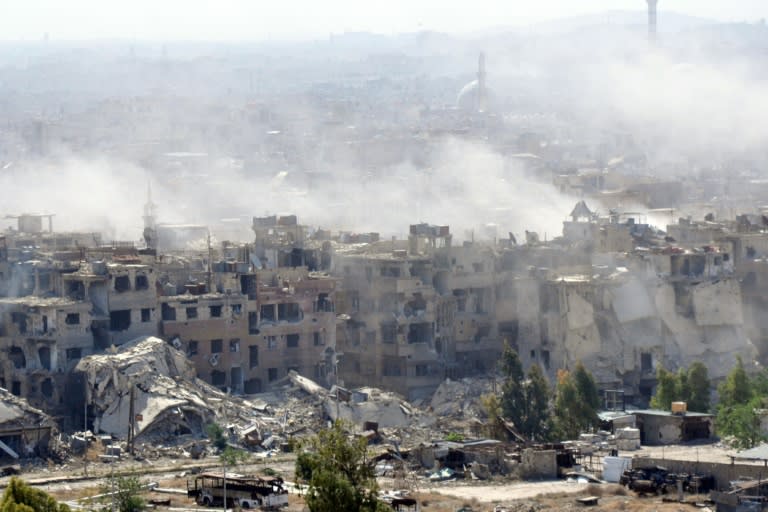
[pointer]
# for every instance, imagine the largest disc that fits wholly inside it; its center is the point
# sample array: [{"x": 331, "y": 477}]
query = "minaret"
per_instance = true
[
  {"x": 652, "y": 20},
  {"x": 482, "y": 94},
  {"x": 150, "y": 210}
]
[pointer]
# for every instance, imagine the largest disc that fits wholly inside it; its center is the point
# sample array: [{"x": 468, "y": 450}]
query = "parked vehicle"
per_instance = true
[{"x": 247, "y": 492}]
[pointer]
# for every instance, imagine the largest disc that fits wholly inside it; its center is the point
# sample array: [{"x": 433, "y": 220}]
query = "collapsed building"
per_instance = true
[{"x": 401, "y": 315}]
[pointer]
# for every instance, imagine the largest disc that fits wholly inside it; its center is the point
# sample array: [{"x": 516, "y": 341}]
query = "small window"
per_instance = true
[
  {"x": 142, "y": 283},
  {"x": 533, "y": 354},
  {"x": 234, "y": 345},
  {"x": 237, "y": 309},
  {"x": 73, "y": 354},
  {"x": 217, "y": 346},
  {"x": 253, "y": 356},
  {"x": 192, "y": 348},
  {"x": 122, "y": 284},
  {"x": 422, "y": 370},
  {"x": 272, "y": 374},
  {"x": 72, "y": 319},
  {"x": 292, "y": 341},
  {"x": 271, "y": 342},
  {"x": 146, "y": 315},
  {"x": 191, "y": 313},
  {"x": 215, "y": 311},
  {"x": 318, "y": 339},
  {"x": 545, "y": 359}
]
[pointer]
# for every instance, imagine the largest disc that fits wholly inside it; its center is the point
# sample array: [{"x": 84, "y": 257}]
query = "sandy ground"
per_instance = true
[{"x": 509, "y": 491}]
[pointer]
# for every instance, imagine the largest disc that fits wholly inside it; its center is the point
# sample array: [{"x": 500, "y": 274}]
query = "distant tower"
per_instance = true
[
  {"x": 150, "y": 221},
  {"x": 652, "y": 20},
  {"x": 482, "y": 93}
]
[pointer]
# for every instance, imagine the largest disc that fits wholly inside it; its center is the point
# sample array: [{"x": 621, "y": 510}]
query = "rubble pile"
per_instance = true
[
  {"x": 152, "y": 380},
  {"x": 24, "y": 430},
  {"x": 458, "y": 407}
]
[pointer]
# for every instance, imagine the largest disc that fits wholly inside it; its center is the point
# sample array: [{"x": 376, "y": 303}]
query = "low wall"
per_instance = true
[{"x": 723, "y": 473}]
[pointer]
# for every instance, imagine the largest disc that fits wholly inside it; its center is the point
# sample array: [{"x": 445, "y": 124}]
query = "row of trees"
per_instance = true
[
  {"x": 691, "y": 386},
  {"x": 535, "y": 410}
]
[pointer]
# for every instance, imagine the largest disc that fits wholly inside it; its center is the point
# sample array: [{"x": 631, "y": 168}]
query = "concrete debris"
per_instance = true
[
  {"x": 24, "y": 430},
  {"x": 151, "y": 380}
]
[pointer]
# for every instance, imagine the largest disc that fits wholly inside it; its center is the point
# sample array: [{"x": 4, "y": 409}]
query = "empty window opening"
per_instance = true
[
  {"x": 215, "y": 311},
  {"x": 74, "y": 354},
  {"x": 271, "y": 342},
  {"x": 142, "y": 282},
  {"x": 119, "y": 320},
  {"x": 217, "y": 346},
  {"x": 218, "y": 378},
  {"x": 272, "y": 374},
  {"x": 317, "y": 339},
  {"x": 420, "y": 333},
  {"x": 252, "y": 386},
  {"x": 422, "y": 370},
  {"x": 268, "y": 313},
  {"x": 545, "y": 359},
  {"x": 290, "y": 312},
  {"x": 168, "y": 313},
  {"x": 191, "y": 313},
  {"x": 44, "y": 354},
  {"x": 146, "y": 315},
  {"x": 192, "y": 348},
  {"x": 76, "y": 290},
  {"x": 237, "y": 309},
  {"x": 16, "y": 388},
  {"x": 253, "y": 356},
  {"x": 122, "y": 284},
  {"x": 234, "y": 345},
  {"x": 46, "y": 388},
  {"x": 292, "y": 341},
  {"x": 20, "y": 319},
  {"x": 253, "y": 322},
  {"x": 646, "y": 362},
  {"x": 16, "y": 355},
  {"x": 324, "y": 303},
  {"x": 389, "y": 332},
  {"x": 72, "y": 319}
]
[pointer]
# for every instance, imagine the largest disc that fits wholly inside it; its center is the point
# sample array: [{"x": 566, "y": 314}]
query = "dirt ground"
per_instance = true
[{"x": 70, "y": 484}]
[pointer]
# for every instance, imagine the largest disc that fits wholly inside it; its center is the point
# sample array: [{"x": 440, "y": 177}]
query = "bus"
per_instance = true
[{"x": 247, "y": 492}]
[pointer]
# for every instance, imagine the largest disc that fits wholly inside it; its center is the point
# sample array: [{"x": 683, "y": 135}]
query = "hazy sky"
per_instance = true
[{"x": 277, "y": 19}]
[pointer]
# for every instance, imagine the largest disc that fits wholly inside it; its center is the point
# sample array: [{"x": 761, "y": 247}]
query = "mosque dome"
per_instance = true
[{"x": 469, "y": 97}]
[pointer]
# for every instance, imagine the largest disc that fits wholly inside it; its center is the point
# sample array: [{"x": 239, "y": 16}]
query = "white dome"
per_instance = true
[{"x": 468, "y": 98}]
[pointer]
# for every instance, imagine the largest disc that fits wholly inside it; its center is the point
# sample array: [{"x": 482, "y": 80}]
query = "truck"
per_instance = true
[{"x": 247, "y": 492}]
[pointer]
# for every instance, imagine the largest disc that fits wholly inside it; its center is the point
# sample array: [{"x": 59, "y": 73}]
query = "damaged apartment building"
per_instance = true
[
  {"x": 415, "y": 311},
  {"x": 265, "y": 311},
  {"x": 613, "y": 292},
  {"x": 57, "y": 308}
]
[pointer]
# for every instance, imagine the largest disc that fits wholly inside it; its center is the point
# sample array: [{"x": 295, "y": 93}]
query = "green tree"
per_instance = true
[
  {"x": 737, "y": 388},
  {"x": 513, "y": 404},
  {"x": 537, "y": 420},
  {"x": 339, "y": 473},
  {"x": 567, "y": 425},
  {"x": 20, "y": 497},
  {"x": 698, "y": 387},
  {"x": 742, "y": 422},
  {"x": 216, "y": 435},
  {"x": 588, "y": 396},
  {"x": 492, "y": 407},
  {"x": 666, "y": 389},
  {"x": 125, "y": 491},
  {"x": 576, "y": 402}
]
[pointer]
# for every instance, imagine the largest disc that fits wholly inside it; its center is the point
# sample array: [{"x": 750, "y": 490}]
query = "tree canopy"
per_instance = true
[
  {"x": 339, "y": 473},
  {"x": 20, "y": 497},
  {"x": 691, "y": 386},
  {"x": 525, "y": 401},
  {"x": 576, "y": 403}
]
